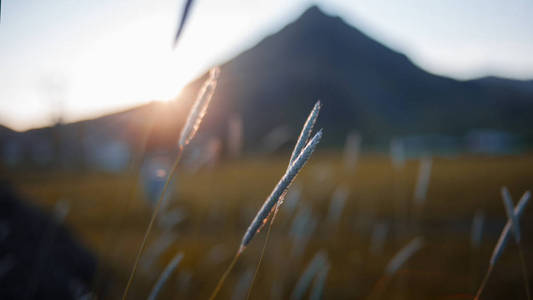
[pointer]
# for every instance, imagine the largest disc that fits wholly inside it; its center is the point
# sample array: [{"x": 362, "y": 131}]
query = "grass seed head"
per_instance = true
[
  {"x": 279, "y": 190},
  {"x": 197, "y": 113},
  {"x": 306, "y": 131}
]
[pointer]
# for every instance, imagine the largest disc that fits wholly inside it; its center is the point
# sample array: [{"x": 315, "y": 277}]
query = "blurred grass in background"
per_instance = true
[{"x": 218, "y": 203}]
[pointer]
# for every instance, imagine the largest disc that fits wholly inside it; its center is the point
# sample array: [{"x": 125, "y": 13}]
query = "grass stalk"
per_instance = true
[
  {"x": 484, "y": 282},
  {"x": 260, "y": 258},
  {"x": 394, "y": 265},
  {"x": 225, "y": 275},
  {"x": 513, "y": 214},
  {"x": 305, "y": 146},
  {"x": 515, "y": 228},
  {"x": 172, "y": 265},
  {"x": 151, "y": 223},
  {"x": 379, "y": 287},
  {"x": 135, "y": 166},
  {"x": 194, "y": 119}
]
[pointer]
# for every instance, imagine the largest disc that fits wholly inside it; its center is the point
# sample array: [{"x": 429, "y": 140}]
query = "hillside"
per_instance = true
[{"x": 363, "y": 84}]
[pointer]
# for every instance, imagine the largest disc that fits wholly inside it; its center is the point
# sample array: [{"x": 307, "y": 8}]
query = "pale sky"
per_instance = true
[{"x": 81, "y": 59}]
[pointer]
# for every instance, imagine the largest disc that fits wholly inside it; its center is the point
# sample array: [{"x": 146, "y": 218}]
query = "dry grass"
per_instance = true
[{"x": 446, "y": 268}]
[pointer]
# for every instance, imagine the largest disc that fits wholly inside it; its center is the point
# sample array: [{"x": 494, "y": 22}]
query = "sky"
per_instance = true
[{"x": 81, "y": 59}]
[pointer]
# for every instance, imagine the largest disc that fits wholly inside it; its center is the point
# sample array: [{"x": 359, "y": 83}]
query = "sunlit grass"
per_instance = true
[{"x": 236, "y": 189}]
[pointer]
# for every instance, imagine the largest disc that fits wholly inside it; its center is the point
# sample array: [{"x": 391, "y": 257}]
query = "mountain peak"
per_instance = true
[{"x": 314, "y": 12}]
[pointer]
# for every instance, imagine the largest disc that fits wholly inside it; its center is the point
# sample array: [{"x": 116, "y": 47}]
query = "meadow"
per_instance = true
[
  {"x": 350, "y": 226},
  {"x": 211, "y": 208}
]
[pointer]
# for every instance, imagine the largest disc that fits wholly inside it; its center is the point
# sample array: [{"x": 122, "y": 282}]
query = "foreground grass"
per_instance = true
[{"x": 220, "y": 202}]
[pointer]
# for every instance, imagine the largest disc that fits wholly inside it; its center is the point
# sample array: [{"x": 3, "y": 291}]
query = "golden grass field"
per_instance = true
[{"x": 108, "y": 214}]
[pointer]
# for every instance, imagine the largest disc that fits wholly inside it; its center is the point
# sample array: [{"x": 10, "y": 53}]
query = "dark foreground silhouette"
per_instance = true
[{"x": 39, "y": 258}]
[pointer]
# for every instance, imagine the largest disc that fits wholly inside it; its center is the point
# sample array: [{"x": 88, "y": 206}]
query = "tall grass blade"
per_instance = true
[
  {"x": 303, "y": 138},
  {"x": 338, "y": 199},
  {"x": 318, "y": 286},
  {"x": 302, "y": 229},
  {"x": 301, "y": 153},
  {"x": 397, "y": 153},
  {"x": 162, "y": 243},
  {"x": 352, "y": 148},
  {"x": 235, "y": 136},
  {"x": 317, "y": 263},
  {"x": 502, "y": 242},
  {"x": 379, "y": 235},
  {"x": 172, "y": 265},
  {"x": 191, "y": 126},
  {"x": 422, "y": 183},
  {"x": 477, "y": 229},
  {"x": 125, "y": 201},
  {"x": 403, "y": 255},
  {"x": 515, "y": 227},
  {"x": 394, "y": 265},
  {"x": 181, "y": 24},
  {"x": 509, "y": 210},
  {"x": 504, "y": 236}
]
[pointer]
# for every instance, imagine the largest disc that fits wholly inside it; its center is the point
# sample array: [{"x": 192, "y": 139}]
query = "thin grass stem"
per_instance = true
[
  {"x": 125, "y": 202},
  {"x": 483, "y": 283},
  {"x": 172, "y": 265},
  {"x": 151, "y": 223},
  {"x": 379, "y": 287},
  {"x": 225, "y": 275},
  {"x": 260, "y": 258}
]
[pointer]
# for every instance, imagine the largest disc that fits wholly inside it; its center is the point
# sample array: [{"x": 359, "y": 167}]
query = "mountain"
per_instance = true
[{"x": 363, "y": 85}]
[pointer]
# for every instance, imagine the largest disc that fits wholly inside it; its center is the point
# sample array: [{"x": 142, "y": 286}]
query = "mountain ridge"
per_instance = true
[{"x": 364, "y": 86}]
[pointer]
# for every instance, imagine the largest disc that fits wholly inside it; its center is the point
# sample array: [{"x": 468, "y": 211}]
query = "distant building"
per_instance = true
[
  {"x": 489, "y": 141},
  {"x": 416, "y": 146}
]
